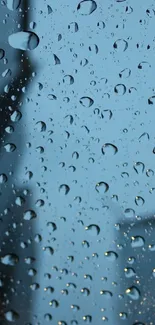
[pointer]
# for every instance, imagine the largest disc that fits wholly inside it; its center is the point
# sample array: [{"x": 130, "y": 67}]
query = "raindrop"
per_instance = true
[
  {"x": 48, "y": 250},
  {"x": 106, "y": 294},
  {"x": 125, "y": 73},
  {"x": 3, "y": 178},
  {"x": 123, "y": 316},
  {"x": 68, "y": 80},
  {"x": 19, "y": 201},
  {"x": 29, "y": 215},
  {"x": 13, "y": 4},
  {"x": 102, "y": 187},
  {"x": 101, "y": 25},
  {"x": 149, "y": 173},
  {"x": 133, "y": 293},
  {"x": 109, "y": 149},
  {"x": 49, "y": 9},
  {"x": 73, "y": 27},
  {"x": 11, "y": 316},
  {"x": 9, "y": 259},
  {"x": 86, "y": 101},
  {"x": 40, "y": 126},
  {"x": 129, "y": 272},
  {"x": 16, "y": 116},
  {"x": 139, "y": 167},
  {"x": 93, "y": 230},
  {"x": 129, "y": 213},
  {"x": 86, "y": 7},
  {"x": 24, "y": 41},
  {"x": 111, "y": 256},
  {"x": 64, "y": 189},
  {"x": 137, "y": 241},
  {"x": 139, "y": 201},
  {"x": 120, "y": 89},
  {"x": 2, "y": 53},
  {"x": 10, "y": 147},
  {"x": 120, "y": 45}
]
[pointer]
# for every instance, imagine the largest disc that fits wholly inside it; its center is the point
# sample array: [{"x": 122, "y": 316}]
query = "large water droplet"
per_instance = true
[
  {"x": 13, "y": 4},
  {"x": 86, "y": 101},
  {"x": 29, "y": 215},
  {"x": 93, "y": 230},
  {"x": 129, "y": 213},
  {"x": 120, "y": 89},
  {"x": 111, "y": 256},
  {"x": 109, "y": 149},
  {"x": 11, "y": 316},
  {"x": 120, "y": 45},
  {"x": 102, "y": 187},
  {"x": 24, "y": 41},
  {"x": 64, "y": 189},
  {"x": 133, "y": 293},
  {"x": 86, "y": 7},
  {"x": 106, "y": 294},
  {"x": 137, "y": 241},
  {"x": 139, "y": 201},
  {"x": 9, "y": 259},
  {"x": 129, "y": 272}
]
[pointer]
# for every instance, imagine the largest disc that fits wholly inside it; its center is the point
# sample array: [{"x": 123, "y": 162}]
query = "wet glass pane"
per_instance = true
[{"x": 77, "y": 162}]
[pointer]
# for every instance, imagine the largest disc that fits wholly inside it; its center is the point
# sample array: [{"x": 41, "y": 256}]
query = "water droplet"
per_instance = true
[
  {"x": 86, "y": 7},
  {"x": 68, "y": 80},
  {"x": 64, "y": 189},
  {"x": 13, "y": 4},
  {"x": 109, "y": 149},
  {"x": 3, "y": 178},
  {"x": 133, "y": 293},
  {"x": 123, "y": 316},
  {"x": 120, "y": 45},
  {"x": 111, "y": 256},
  {"x": 40, "y": 126},
  {"x": 10, "y": 147},
  {"x": 120, "y": 89},
  {"x": 139, "y": 201},
  {"x": 102, "y": 187},
  {"x": 2, "y": 53},
  {"x": 19, "y": 201},
  {"x": 11, "y": 316},
  {"x": 24, "y": 41},
  {"x": 9, "y": 259},
  {"x": 93, "y": 230},
  {"x": 125, "y": 73},
  {"x": 129, "y": 272},
  {"x": 29, "y": 215},
  {"x": 106, "y": 294},
  {"x": 16, "y": 116},
  {"x": 48, "y": 250},
  {"x": 139, "y": 167},
  {"x": 86, "y": 101},
  {"x": 73, "y": 27},
  {"x": 85, "y": 292},
  {"x": 129, "y": 213},
  {"x": 137, "y": 241}
]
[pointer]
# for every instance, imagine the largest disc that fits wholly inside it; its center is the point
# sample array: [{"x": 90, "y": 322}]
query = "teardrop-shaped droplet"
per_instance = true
[
  {"x": 106, "y": 294},
  {"x": 129, "y": 272},
  {"x": 86, "y": 7},
  {"x": 139, "y": 201},
  {"x": 133, "y": 293},
  {"x": 109, "y": 149},
  {"x": 137, "y": 241},
  {"x": 26, "y": 41},
  {"x": 102, "y": 187},
  {"x": 13, "y": 4},
  {"x": 64, "y": 189},
  {"x": 93, "y": 230},
  {"x": 29, "y": 215},
  {"x": 139, "y": 167}
]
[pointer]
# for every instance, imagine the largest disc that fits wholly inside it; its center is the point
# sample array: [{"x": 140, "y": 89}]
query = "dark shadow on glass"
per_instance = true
[{"x": 17, "y": 234}]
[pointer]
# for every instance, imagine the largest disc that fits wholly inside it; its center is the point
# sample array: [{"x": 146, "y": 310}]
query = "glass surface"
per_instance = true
[{"x": 77, "y": 162}]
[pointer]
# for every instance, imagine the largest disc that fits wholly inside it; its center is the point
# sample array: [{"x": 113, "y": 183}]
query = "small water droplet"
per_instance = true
[
  {"x": 129, "y": 213},
  {"x": 139, "y": 201},
  {"x": 29, "y": 215}
]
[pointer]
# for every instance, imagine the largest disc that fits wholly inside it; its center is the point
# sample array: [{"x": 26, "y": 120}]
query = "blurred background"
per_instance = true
[{"x": 77, "y": 162}]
